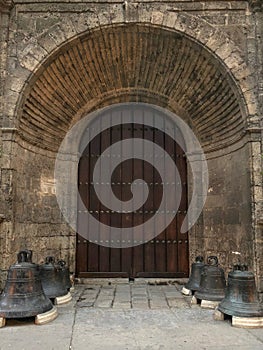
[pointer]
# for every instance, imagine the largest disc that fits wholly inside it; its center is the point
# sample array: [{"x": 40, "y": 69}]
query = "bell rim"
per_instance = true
[
  {"x": 239, "y": 313},
  {"x": 25, "y": 313},
  {"x": 210, "y": 297}
]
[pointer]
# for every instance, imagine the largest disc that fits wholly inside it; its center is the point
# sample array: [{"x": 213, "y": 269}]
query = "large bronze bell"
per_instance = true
[
  {"x": 213, "y": 283},
  {"x": 23, "y": 295},
  {"x": 52, "y": 282},
  {"x": 193, "y": 283},
  {"x": 241, "y": 295},
  {"x": 63, "y": 270}
]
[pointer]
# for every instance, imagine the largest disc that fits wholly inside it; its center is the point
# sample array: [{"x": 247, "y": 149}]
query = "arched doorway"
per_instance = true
[
  {"x": 123, "y": 63},
  {"x": 164, "y": 255}
]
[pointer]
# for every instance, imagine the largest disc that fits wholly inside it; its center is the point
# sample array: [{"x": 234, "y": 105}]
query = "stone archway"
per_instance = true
[
  {"x": 134, "y": 62},
  {"x": 141, "y": 61}
]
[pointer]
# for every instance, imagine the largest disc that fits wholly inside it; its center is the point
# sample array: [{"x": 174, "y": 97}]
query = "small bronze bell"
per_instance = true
[
  {"x": 212, "y": 284},
  {"x": 241, "y": 295},
  {"x": 23, "y": 295},
  {"x": 64, "y": 273},
  {"x": 194, "y": 280},
  {"x": 52, "y": 282}
]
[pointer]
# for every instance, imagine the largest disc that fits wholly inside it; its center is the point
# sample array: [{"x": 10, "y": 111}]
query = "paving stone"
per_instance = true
[
  {"x": 177, "y": 303},
  {"x": 103, "y": 302},
  {"x": 158, "y": 305},
  {"x": 138, "y": 328},
  {"x": 140, "y": 306},
  {"x": 174, "y": 294},
  {"x": 122, "y": 305}
]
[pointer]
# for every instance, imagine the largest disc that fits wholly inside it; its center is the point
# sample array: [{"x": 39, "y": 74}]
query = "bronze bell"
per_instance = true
[
  {"x": 63, "y": 270},
  {"x": 241, "y": 295},
  {"x": 23, "y": 295},
  {"x": 213, "y": 283},
  {"x": 193, "y": 283},
  {"x": 52, "y": 283}
]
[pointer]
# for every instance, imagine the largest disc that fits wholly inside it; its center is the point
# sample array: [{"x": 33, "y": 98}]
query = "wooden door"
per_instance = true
[{"x": 163, "y": 256}]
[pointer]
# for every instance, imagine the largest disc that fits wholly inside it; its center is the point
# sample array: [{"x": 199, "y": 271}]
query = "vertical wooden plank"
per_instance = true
[
  {"x": 171, "y": 230},
  {"x": 148, "y": 172},
  {"x": 115, "y": 253},
  {"x": 94, "y": 205},
  {"x": 83, "y": 179},
  {"x": 183, "y": 249},
  {"x": 138, "y": 250},
  {"x": 160, "y": 247},
  {"x": 127, "y": 218},
  {"x": 104, "y": 252}
]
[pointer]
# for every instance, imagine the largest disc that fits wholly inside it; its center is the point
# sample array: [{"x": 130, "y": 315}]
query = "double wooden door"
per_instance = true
[{"x": 165, "y": 255}]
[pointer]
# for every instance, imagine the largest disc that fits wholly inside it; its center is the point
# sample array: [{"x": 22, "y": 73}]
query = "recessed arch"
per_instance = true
[{"x": 132, "y": 62}]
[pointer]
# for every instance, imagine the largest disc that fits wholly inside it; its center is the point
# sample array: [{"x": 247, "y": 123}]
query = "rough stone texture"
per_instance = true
[
  {"x": 201, "y": 60},
  {"x": 226, "y": 229}
]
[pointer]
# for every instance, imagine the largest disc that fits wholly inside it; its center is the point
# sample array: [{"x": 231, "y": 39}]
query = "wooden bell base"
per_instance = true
[
  {"x": 194, "y": 300},
  {"x": 209, "y": 304},
  {"x": 2, "y": 322},
  {"x": 205, "y": 304},
  {"x": 46, "y": 316},
  {"x": 240, "y": 322},
  {"x": 43, "y": 318},
  {"x": 64, "y": 299},
  {"x": 186, "y": 291}
]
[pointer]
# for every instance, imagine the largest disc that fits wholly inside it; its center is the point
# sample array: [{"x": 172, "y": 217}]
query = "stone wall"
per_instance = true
[
  {"x": 39, "y": 223},
  {"x": 36, "y": 111}
]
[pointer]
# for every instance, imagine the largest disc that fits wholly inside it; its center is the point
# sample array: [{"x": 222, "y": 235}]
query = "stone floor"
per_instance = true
[
  {"x": 140, "y": 295},
  {"x": 121, "y": 315}
]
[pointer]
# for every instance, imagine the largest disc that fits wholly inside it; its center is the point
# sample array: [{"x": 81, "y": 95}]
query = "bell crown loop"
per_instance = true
[
  {"x": 61, "y": 263},
  {"x": 24, "y": 256},
  {"x": 240, "y": 267},
  {"x": 212, "y": 260},
  {"x": 50, "y": 260},
  {"x": 199, "y": 259}
]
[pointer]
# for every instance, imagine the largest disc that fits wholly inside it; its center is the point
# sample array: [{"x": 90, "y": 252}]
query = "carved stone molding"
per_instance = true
[{"x": 256, "y": 5}]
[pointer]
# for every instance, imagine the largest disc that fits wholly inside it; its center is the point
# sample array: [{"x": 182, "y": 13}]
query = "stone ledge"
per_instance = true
[{"x": 131, "y": 8}]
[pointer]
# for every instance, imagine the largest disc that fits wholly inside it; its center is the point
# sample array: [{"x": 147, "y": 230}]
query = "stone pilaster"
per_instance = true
[
  {"x": 255, "y": 126},
  {"x": 6, "y": 140}
]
